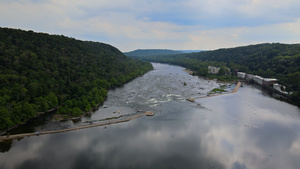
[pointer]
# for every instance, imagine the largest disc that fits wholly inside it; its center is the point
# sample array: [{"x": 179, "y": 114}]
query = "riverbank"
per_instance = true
[
  {"x": 188, "y": 71},
  {"x": 56, "y": 117},
  {"x": 17, "y": 136},
  {"x": 38, "y": 114},
  {"x": 233, "y": 91}
]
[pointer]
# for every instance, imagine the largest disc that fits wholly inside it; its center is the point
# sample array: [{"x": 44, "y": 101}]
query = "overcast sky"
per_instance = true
[{"x": 159, "y": 24}]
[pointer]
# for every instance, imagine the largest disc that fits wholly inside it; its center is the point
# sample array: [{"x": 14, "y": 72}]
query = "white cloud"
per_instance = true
[{"x": 177, "y": 24}]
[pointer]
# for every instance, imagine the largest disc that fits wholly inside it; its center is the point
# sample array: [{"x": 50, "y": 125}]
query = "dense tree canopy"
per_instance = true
[
  {"x": 281, "y": 61},
  {"x": 151, "y": 52},
  {"x": 39, "y": 72}
]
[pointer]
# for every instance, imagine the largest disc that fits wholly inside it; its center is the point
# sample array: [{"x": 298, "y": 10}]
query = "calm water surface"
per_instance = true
[{"x": 245, "y": 130}]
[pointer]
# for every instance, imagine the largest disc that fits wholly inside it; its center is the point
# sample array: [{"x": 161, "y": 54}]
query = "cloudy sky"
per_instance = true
[{"x": 159, "y": 24}]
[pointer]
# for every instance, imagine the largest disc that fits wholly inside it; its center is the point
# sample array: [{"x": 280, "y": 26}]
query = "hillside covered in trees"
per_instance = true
[
  {"x": 151, "y": 52},
  {"x": 281, "y": 61},
  {"x": 40, "y": 72},
  {"x": 156, "y": 52}
]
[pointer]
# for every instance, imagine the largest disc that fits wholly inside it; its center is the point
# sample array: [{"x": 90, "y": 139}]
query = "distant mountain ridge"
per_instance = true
[
  {"x": 151, "y": 52},
  {"x": 191, "y": 51},
  {"x": 156, "y": 52}
]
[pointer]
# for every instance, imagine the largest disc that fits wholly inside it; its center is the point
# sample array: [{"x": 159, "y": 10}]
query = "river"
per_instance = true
[{"x": 245, "y": 130}]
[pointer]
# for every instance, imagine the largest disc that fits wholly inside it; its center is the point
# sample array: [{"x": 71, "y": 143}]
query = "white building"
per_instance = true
[
  {"x": 241, "y": 75},
  {"x": 269, "y": 81},
  {"x": 213, "y": 70},
  {"x": 278, "y": 87},
  {"x": 249, "y": 77},
  {"x": 258, "y": 80}
]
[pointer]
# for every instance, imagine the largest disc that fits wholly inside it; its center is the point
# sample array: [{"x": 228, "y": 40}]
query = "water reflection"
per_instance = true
[{"x": 246, "y": 130}]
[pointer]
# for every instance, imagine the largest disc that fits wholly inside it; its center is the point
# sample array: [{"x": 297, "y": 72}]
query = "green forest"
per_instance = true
[
  {"x": 151, "y": 52},
  {"x": 156, "y": 52},
  {"x": 281, "y": 61},
  {"x": 41, "y": 72}
]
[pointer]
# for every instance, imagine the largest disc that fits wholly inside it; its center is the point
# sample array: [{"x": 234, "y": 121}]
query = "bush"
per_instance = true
[{"x": 76, "y": 112}]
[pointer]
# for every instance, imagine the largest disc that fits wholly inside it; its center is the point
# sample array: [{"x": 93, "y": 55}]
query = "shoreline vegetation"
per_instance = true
[
  {"x": 39, "y": 114},
  {"x": 56, "y": 117},
  {"x": 41, "y": 72}
]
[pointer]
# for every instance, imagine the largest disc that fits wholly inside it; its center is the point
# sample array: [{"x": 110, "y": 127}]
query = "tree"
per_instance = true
[
  {"x": 203, "y": 71},
  {"x": 88, "y": 108},
  {"x": 224, "y": 71},
  {"x": 61, "y": 110},
  {"x": 52, "y": 100},
  {"x": 294, "y": 80},
  {"x": 5, "y": 121},
  {"x": 42, "y": 103},
  {"x": 29, "y": 110},
  {"x": 113, "y": 82},
  {"x": 19, "y": 92},
  {"x": 76, "y": 112}
]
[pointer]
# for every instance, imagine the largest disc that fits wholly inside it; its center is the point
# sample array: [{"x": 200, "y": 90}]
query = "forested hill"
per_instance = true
[
  {"x": 151, "y": 52},
  {"x": 277, "y": 60},
  {"x": 40, "y": 72}
]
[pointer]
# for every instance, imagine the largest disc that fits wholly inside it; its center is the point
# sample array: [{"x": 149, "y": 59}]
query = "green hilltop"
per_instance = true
[
  {"x": 151, "y": 52},
  {"x": 156, "y": 52},
  {"x": 41, "y": 72}
]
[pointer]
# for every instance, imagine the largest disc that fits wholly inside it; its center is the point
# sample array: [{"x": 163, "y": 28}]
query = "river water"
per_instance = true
[{"x": 244, "y": 130}]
